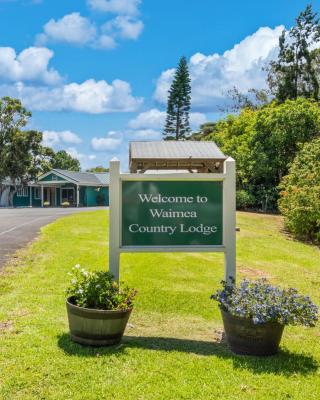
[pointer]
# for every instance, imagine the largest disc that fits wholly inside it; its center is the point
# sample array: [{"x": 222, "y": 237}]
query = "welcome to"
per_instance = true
[{"x": 167, "y": 213}]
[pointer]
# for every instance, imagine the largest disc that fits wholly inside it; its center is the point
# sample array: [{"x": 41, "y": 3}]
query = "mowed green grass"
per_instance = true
[{"x": 172, "y": 348}]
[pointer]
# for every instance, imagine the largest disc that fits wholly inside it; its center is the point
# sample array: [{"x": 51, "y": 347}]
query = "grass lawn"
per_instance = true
[{"x": 172, "y": 348}]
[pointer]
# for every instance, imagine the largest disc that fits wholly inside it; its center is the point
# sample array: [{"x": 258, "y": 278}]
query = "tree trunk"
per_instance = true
[
  {"x": 4, "y": 195},
  {"x": 178, "y": 125},
  {"x": 13, "y": 191}
]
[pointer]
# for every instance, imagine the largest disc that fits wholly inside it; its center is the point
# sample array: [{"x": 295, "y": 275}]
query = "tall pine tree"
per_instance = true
[
  {"x": 177, "y": 125},
  {"x": 295, "y": 72}
]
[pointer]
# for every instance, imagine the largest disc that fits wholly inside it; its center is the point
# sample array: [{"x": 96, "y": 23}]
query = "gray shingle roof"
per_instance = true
[
  {"x": 175, "y": 150},
  {"x": 85, "y": 177}
]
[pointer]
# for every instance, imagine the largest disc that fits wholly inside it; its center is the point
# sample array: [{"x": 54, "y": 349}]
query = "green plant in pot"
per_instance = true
[
  {"x": 98, "y": 308},
  {"x": 65, "y": 204},
  {"x": 255, "y": 313}
]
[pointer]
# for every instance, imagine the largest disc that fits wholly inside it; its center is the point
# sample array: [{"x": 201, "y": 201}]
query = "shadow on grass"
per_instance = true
[
  {"x": 75, "y": 349},
  {"x": 284, "y": 363}
]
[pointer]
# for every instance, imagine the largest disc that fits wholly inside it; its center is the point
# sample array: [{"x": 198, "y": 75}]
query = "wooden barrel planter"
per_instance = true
[
  {"x": 96, "y": 327},
  {"x": 246, "y": 338}
]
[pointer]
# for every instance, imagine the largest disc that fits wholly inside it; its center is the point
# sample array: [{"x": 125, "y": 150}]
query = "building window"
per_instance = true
[
  {"x": 23, "y": 192},
  {"x": 37, "y": 193}
]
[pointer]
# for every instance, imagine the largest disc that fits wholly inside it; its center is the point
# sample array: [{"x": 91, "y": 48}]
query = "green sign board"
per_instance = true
[{"x": 171, "y": 213}]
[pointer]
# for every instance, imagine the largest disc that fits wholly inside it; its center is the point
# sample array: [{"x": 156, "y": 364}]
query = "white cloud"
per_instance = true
[
  {"x": 78, "y": 30},
  {"x": 213, "y": 75},
  {"x": 51, "y": 138},
  {"x": 126, "y": 7},
  {"x": 93, "y": 97},
  {"x": 125, "y": 27},
  {"x": 115, "y": 140},
  {"x": 155, "y": 119},
  {"x": 99, "y": 96},
  {"x": 72, "y": 28},
  {"x": 29, "y": 65},
  {"x": 105, "y": 42},
  {"x": 145, "y": 134},
  {"x": 40, "y": 88},
  {"x": 70, "y": 137},
  {"x": 74, "y": 153},
  {"x": 85, "y": 159},
  {"x": 163, "y": 85},
  {"x": 197, "y": 119},
  {"x": 110, "y": 142},
  {"x": 57, "y": 140}
]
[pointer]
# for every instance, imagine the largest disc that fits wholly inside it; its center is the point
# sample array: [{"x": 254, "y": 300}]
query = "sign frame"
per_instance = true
[{"x": 228, "y": 179}]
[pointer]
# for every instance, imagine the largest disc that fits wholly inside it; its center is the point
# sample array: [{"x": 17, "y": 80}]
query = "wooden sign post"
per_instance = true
[{"x": 179, "y": 212}]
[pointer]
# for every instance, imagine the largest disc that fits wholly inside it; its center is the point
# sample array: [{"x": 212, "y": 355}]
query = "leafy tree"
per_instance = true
[
  {"x": 295, "y": 73},
  {"x": 47, "y": 155},
  {"x": 264, "y": 142},
  {"x": 13, "y": 117},
  {"x": 205, "y": 129},
  {"x": 279, "y": 131},
  {"x": 21, "y": 153},
  {"x": 253, "y": 99},
  {"x": 177, "y": 122},
  {"x": 62, "y": 160},
  {"x": 300, "y": 193},
  {"x": 98, "y": 168},
  {"x": 235, "y": 136}
]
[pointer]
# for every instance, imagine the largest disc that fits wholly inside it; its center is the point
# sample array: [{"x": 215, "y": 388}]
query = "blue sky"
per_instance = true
[{"x": 95, "y": 73}]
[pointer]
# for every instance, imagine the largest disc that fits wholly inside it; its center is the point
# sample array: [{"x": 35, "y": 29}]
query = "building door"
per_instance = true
[{"x": 49, "y": 195}]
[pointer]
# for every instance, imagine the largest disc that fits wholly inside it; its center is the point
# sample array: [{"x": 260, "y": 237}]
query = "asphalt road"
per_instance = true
[{"x": 19, "y": 226}]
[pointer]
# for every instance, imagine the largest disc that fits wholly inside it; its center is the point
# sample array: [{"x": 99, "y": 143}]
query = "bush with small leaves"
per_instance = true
[
  {"x": 300, "y": 194},
  {"x": 244, "y": 200},
  {"x": 97, "y": 290}
]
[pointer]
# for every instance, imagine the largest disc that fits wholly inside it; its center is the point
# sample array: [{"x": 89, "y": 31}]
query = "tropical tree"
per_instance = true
[
  {"x": 264, "y": 142},
  {"x": 238, "y": 100},
  {"x": 21, "y": 152},
  {"x": 295, "y": 73},
  {"x": 98, "y": 168},
  {"x": 177, "y": 125},
  {"x": 62, "y": 160}
]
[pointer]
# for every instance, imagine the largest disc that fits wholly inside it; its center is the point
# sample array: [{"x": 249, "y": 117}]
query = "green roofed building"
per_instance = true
[
  {"x": 59, "y": 187},
  {"x": 83, "y": 189}
]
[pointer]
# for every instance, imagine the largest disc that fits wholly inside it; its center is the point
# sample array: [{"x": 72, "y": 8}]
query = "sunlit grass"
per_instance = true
[{"x": 172, "y": 348}]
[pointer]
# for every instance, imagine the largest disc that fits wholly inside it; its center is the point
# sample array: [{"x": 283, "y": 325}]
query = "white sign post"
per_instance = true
[{"x": 228, "y": 225}]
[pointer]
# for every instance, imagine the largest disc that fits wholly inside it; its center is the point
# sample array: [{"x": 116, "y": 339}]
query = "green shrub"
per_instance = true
[
  {"x": 244, "y": 200},
  {"x": 300, "y": 194},
  {"x": 97, "y": 290}
]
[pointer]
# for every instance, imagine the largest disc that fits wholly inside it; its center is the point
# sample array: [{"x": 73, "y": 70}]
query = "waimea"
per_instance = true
[{"x": 161, "y": 213}]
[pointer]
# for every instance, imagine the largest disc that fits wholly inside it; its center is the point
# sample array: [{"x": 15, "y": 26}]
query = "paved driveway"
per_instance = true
[{"x": 19, "y": 226}]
